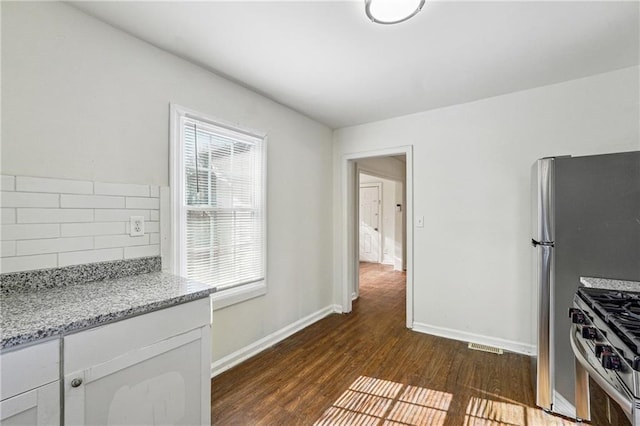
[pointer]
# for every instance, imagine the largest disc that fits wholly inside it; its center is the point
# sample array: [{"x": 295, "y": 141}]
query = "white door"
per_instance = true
[{"x": 370, "y": 236}]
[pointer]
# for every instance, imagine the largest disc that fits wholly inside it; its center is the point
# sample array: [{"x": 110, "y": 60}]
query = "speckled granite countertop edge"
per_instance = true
[
  {"x": 44, "y": 304},
  {"x": 61, "y": 330},
  {"x": 613, "y": 284}
]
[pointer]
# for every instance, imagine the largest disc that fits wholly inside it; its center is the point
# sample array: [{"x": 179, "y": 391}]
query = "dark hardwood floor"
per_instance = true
[{"x": 367, "y": 368}]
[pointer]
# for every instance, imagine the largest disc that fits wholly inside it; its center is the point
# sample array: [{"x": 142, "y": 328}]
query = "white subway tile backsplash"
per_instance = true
[
  {"x": 28, "y": 199},
  {"x": 49, "y": 222},
  {"x": 30, "y": 231},
  {"x": 118, "y": 215},
  {"x": 54, "y": 215},
  {"x": 8, "y": 215},
  {"x": 89, "y": 256},
  {"x": 105, "y": 241},
  {"x": 61, "y": 186},
  {"x": 53, "y": 245},
  {"x": 7, "y": 183},
  {"x": 7, "y": 248},
  {"x": 27, "y": 263},
  {"x": 141, "y": 251},
  {"x": 152, "y": 227},
  {"x": 126, "y": 189},
  {"x": 91, "y": 201},
  {"x": 143, "y": 203},
  {"x": 94, "y": 228}
]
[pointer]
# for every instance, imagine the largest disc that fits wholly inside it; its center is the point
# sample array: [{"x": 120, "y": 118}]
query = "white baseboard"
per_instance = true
[
  {"x": 247, "y": 352},
  {"x": 509, "y": 345}
]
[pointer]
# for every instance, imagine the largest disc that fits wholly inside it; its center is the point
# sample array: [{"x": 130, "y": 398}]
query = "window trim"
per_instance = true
[{"x": 177, "y": 262}]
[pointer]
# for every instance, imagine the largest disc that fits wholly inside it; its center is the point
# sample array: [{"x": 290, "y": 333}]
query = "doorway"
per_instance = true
[
  {"x": 381, "y": 214},
  {"x": 400, "y": 250}
]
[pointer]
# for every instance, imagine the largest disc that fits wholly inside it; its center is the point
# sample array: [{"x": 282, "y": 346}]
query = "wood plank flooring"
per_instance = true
[{"x": 367, "y": 368}]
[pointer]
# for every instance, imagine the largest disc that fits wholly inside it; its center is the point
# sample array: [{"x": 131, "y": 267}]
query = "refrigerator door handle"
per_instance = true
[
  {"x": 545, "y": 385},
  {"x": 544, "y": 200}
]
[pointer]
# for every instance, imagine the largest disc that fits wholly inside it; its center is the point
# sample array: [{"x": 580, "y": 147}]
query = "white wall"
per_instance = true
[
  {"x": 471, "y": 183},
  {"x": 400, "y": 248},
  {"x": 82, "y": 100},
  {"x": 387, "y": 167}
]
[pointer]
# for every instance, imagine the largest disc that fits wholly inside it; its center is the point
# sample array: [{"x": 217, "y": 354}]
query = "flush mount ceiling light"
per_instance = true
[{"x": 392, "y": 11}]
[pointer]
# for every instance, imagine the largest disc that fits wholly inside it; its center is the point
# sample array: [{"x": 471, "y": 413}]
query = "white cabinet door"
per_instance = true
[
  {"x": 159, "y": 384},
  {"x": 40, "y": 406}
]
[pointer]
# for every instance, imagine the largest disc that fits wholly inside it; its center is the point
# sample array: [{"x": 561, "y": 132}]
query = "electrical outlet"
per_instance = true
[{"x": 137, "y": 226}]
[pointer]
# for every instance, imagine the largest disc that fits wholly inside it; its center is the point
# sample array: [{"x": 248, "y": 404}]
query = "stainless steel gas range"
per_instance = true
[{"x": 605, "y": 338}]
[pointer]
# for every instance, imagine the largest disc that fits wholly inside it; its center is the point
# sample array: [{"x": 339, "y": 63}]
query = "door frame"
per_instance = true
[
  {"x": 350, "y": 190},
  {"x": 377, "y": 185}
]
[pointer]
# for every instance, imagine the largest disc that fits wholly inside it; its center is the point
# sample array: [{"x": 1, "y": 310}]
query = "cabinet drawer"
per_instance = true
[
  {"x": 101, "y": 344},
  {"x": 29, "y": 368}
]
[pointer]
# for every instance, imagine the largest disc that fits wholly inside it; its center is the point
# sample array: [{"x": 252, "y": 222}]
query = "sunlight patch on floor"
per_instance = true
[
  {"x": 371, "y": 401},
  {"x": 485, "y": 412},
  {"x": 479, "y": 410}
]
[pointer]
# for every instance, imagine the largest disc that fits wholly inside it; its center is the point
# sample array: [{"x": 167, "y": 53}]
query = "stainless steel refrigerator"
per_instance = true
[{"x": 586, "y": 222}]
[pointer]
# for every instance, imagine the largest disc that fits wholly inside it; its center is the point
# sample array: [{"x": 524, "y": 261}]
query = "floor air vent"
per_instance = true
[{"x": 485, "y": 348}]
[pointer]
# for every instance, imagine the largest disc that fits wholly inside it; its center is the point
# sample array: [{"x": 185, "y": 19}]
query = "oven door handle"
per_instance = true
[{"x": 623, "y": 400}]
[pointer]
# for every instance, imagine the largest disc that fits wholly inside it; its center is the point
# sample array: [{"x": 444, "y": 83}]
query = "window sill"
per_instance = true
[{"x": 237, "y": 295}]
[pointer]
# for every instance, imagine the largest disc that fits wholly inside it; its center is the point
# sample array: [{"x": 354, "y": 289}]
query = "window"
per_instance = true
[{"x": 218, "y": 195}]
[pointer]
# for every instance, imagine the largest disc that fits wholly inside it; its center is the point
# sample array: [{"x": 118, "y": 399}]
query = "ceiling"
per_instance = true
[{"x": 327, "y": 61}]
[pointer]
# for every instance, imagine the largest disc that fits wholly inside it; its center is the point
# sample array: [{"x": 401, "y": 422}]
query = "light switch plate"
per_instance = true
[
  {"x": 420, "y": 222},
  {"x": 137, "y": 226}
]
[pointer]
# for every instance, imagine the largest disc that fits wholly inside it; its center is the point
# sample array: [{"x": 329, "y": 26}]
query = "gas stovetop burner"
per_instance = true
[{"x": 619, "y": 309}]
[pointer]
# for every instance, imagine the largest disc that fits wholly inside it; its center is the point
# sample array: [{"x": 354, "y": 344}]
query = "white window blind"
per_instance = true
[{"x": 222, "y": 204}]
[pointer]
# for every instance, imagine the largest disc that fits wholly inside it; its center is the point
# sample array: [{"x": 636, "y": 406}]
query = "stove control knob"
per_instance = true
[
  {"x": 577, "y": 316},
  {"x": 611, "y": 361},
  {"x": 589, "y": 333},
  {"x": 602, "y": 349}
]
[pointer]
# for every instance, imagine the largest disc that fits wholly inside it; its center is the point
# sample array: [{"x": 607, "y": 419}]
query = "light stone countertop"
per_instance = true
[
  {"x": 622, "y": 285},
  {"x": 29, "y": 316}
]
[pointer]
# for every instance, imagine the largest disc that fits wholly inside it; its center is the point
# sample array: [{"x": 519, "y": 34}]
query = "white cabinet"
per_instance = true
[
  {"x": 151, "y": 369},
  {"x": 30, "y": 385},
  {"x": 40, "y": 406}
]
